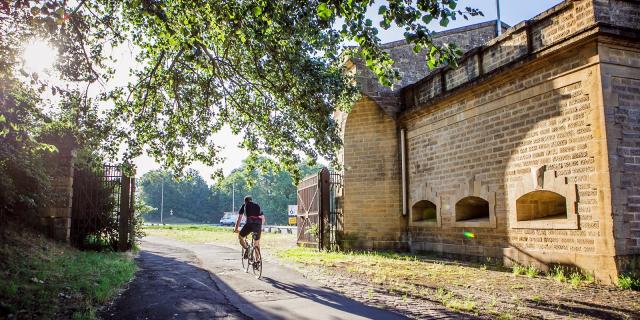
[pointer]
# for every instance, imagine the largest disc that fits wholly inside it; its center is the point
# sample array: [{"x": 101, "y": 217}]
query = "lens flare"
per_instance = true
[
  {"x": 39, "y": 56},
  {"x": 468, "y": 234}
]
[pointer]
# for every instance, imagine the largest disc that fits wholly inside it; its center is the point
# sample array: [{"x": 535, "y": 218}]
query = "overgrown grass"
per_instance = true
[
  {"x": 629, "y": 282},
  {"x": 219, "y": 235},
  {"x": 41, "y": 279}
]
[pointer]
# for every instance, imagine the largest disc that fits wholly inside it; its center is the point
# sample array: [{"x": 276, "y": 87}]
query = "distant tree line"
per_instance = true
[{"x": 191, "y": 200}]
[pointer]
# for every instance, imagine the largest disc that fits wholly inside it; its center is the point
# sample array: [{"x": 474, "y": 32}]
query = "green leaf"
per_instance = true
[
  {"x": 427, "y": 18},
  {"x": 257, "y": 11},
  {"x": 444, "y": 21},
  {"x": 324, "y": 12}
]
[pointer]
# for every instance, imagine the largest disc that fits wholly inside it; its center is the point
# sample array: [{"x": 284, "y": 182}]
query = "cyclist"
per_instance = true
[{"x": 255, "y": 220}]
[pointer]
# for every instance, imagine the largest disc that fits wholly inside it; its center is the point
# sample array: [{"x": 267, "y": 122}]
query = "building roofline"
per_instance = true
[{"x": 439, "y": 34}]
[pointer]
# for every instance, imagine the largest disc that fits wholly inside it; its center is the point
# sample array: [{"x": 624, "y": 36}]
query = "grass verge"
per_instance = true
[
  {"x": 43, "y": 280},
  {"x": 219, "y": 235}
]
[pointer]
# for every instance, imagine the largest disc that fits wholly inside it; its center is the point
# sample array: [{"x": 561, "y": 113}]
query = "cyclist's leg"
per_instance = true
[
  {"x": 242, "y": 236},
  {"x": 258, "y": 230}
]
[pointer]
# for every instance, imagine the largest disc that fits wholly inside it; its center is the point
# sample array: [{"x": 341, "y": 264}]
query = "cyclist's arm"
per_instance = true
[
  {"x": 238, "y": 222},
  {"x": 240, "y": 214},
  {"x": 263, "y": 217}
]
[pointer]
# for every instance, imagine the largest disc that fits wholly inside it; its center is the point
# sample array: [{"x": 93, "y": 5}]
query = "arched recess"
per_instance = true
[
  {"x": 426, "y": 207},
  {"x": 472, "y": 209},
  {"x": 474, "y": 205},
  {"x": 541, "y": 205},
  {"x": 543, "y": 200},
  {"x": 424, "y": 210}
]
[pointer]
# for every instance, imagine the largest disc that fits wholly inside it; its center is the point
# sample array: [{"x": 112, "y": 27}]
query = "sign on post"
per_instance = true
[{"x": 292, "y": 213}]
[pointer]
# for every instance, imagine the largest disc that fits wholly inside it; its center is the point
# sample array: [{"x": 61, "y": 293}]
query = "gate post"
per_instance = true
[
  {"x": 123, "y": 217},
  {"x": 132, "y": 212},
  {"x": 324, "y": 180}
]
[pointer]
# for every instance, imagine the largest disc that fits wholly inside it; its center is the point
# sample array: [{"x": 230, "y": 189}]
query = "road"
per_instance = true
[{"x": 203, "y": 281}]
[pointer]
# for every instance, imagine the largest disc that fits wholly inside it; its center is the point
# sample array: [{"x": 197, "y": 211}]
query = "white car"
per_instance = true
[{"x": 229, "y": 219}]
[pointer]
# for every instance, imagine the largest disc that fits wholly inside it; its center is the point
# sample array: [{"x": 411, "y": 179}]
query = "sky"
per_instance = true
[{"x": 512, "y": 12}]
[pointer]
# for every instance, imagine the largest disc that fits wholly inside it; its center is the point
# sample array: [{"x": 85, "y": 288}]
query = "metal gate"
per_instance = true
[
  {"x": 319, "y": 210},
  {"x": 102, "y": 208}
]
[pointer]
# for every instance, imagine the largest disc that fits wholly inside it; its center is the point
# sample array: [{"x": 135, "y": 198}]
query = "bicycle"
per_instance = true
[{"x": 254, "y": 258}]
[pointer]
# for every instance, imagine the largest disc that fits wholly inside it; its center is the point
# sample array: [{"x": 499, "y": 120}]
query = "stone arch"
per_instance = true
[
  {"x": 424, "y": 198},
  {"x": 543, "y": 200},
  {"x": 474, "y": 205}
]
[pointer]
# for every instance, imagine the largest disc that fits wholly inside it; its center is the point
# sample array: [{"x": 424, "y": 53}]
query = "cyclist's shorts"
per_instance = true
[{"x": 251, "y": 227}]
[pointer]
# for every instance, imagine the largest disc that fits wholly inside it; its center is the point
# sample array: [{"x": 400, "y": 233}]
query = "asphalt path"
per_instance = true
[{"x": 177, "y": 280}]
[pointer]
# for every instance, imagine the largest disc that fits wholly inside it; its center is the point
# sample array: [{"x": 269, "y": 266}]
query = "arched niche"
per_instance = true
[
  {"x": 424, "y": 210},
  {"x": 474, "y": 205},
  {"x": 543, "y": 200},
  {"x": 541, "y": 205},
  {"x": 472, "y": 209}
]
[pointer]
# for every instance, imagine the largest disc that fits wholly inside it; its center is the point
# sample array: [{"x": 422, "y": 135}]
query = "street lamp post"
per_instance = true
[
  {"x": 498, "y": 22},
  {"x": 162, "y": 201}
]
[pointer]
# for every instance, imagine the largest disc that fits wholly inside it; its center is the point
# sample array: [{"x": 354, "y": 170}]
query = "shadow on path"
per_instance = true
[{"x": 169, "y": 286}]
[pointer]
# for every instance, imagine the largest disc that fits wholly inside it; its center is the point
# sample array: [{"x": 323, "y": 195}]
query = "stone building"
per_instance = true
[{"x": 527, "y": 153}]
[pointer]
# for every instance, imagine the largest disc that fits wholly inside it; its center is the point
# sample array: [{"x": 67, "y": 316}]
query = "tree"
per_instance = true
[
  {"x": 188, "y": 198},
  {"x": 192, "y": 201},
  {"x": 270, "y": 70}
]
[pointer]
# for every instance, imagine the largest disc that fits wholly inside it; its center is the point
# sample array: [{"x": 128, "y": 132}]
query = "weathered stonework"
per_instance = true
[
  {"x": 55, "y": 220},
  {"x": 538, "y": 128}
]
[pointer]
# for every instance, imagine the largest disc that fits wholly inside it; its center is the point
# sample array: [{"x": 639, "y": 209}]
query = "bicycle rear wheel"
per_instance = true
[
  {"x": 245, "y": 261},
  {"x": 249, "y": 260},
  {"x": 257, "y": 263}
]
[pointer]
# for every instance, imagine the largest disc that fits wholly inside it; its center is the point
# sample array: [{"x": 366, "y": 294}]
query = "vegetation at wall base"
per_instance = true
[
  {"x": 495, "y": 293},
  {"x": 629, "y": 282},
  {"x": 41, "y": 279}
]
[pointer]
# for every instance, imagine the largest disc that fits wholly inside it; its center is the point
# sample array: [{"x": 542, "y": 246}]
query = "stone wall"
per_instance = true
[
  {"x": 620, "y": 72},
  {"x": 372, "y": 205},
  {"x": 55, "y": 220},
  {"x": 495, "y": 137}
]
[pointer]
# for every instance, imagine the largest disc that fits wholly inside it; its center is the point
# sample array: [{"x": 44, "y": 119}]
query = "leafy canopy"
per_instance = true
[{"x": 272, "y": 71}]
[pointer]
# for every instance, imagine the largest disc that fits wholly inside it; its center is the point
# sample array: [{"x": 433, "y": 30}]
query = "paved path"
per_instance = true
[{"x": 190, "y": 281}]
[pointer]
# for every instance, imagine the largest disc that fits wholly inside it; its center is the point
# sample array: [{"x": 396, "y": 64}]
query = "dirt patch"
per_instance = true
[{"x": 417, "y": 286}]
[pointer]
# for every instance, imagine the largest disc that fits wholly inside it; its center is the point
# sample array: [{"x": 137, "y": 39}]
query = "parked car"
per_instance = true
[{"x": 229, "y": 219}]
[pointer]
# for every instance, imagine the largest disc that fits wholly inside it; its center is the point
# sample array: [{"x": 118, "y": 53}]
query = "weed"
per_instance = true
[
  {"x": 536, "y": 299},
  {"x": 558, "y": 273},
  {"x": 505, "y": 316},
  {"x": 443, "y": 295},
  {"x": 518, "y": 269},
  {"x": 532, "y": 272},
  {"x": 575, "y": 278},
  {"x": 463, "y": 305},
  {"x": 628, "y": 282},
  {"x": 589, "y": 278}
]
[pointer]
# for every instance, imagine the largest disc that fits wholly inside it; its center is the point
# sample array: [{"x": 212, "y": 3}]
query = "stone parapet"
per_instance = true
[{"x": 550, "y": 31}]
